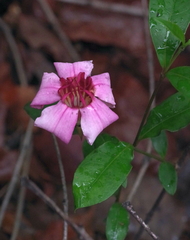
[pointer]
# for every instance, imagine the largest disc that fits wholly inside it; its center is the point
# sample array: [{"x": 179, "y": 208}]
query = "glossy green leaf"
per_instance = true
[
  {"x": 32, "y": 112},
  {"x": 164, "y": 41},
  {"x": 117, "y": 223},
  {"x": 168, "y": 177},
  {"x": 124, "y": 184},
  {"x": 173, "y": 28},
  {"x": 187, "y": 43},
  {"x": 101, "y": 139},
  {"x": 180, "y": 79},
  {"x": 160, "y": 144},
  {"x": 101, "y": 173},
  {"x": 172, "y": 115}
]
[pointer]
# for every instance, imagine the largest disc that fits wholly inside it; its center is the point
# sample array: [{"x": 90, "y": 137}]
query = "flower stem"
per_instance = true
[
  {"x": 162, "y": 76},
  {"x": 149, "y": 155},
  {"x": 64, "y": 186}
]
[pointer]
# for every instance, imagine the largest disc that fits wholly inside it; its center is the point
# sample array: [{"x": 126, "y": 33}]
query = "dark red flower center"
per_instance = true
[{"x": 76, "y": 92}]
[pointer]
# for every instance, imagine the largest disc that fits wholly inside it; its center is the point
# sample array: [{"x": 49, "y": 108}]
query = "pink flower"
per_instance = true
[{"x": 80, "y": 98}]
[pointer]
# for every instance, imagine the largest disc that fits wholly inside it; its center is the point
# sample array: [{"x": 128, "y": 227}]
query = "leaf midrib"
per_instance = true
[
  {"x": 105, "y": 169},
  {"x": 165, "y": 121}
]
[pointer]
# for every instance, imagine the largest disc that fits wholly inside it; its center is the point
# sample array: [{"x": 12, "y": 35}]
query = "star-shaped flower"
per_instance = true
[{"x": 79, "y": 97}]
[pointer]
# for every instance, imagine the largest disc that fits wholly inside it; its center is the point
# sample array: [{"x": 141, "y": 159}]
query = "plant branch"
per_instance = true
[
  {"x": 149, "y": 154},
  {"x": 152, "y": 90},
  {"x": 151, "y": 213},
  {"x": 130, "y": 209},
  {"x": 15, "y": 52},
  {"x": 21, "y": 197},
  {"x": 64, "y": 187},
  {"x": 176, "y": 54},
  {"x": 140, "y": 175},
  {"x": 33, "y": 187},
  {"x": 58, "y": 30},
  {"x": 148, "y": 110},
  {"x": 162, "y": 194},
  {"x": 15, "y": 176}
]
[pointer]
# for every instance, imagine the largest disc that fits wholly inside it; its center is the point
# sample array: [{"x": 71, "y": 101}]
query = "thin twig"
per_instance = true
[
  {"x": 149, "y": 154},
  {"x": 141, "y": 174},
  {"x": 21, "y": 197},
  {"x": 130, "y": 209},
  {"x": 181, "y": 160},
  {"x": 14, "y": 50},
  {"x": 15, "y": 176},
  {"x": 58, "y": 30},
  {"x": 3, "y": 190},
  {"x": 149, "y": 51},
  {"x": 113, "y": 7},
  {"x": 152, "y": 90},
  {"x": 79, "y": 230},
  {"x": 151, "y": 104},
  {"x": 162, "y": 194},
  {"x": 151, "y": 213},
  {"x": 64, "y": 186}
]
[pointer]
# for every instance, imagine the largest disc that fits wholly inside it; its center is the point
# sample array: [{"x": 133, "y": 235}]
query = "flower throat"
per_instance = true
[{"x": 76, "y": 92}]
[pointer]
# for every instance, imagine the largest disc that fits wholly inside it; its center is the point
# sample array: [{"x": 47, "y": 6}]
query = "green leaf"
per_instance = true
[
  {"x": 124, "y": 184},
  {"x": 101, "y": 139},
  {"x": 160, "y": 144},
  {"x": 168, "y": 177},
  {"x": 32, "y": 112},
  {"x": 173, "y": 28},
  {"x": 117, "y": 223},
  {"x": 187, "y": 43},
  {"x": 172, "y": 115},
  {"x": 101, "y": 173},
  {"x": 180, "y": 79},
  {"x": 164, "y": 41}
]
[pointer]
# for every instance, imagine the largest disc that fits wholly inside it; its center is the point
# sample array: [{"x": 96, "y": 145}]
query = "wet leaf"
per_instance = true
[
  {"x": 168, "y": 177},
  {"x": 180, "y": 79},
  {"x": 173, "y": 28},
  {"x": 160, "y": 144},
  {"x": 172, "y": 115},
  {"x": 34, "y": 112},
  {"x": 101, "y": 139},
  {"x": 164, "y": 41},
  {"x": 101, "y": 173},
  {"x": 117, "y": 223}
]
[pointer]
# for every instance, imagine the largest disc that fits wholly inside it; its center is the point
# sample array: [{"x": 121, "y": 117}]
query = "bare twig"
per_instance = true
[
  {"x": 113, "y": 7},
  {"x": 21, "y": 197},
  {"x": 64, "y": 186},
  {"x": 130, "y": 209},
  {"x": 14, "y": 49},
  {"x": 58, "y": 30},
  {"x": 79, "y": 230},
  {"x": 140, "y": 175},
  {"x": 162, "y": 194},
  {"x": 149, "y": 50},
  {"x": 151, "y": 213},
  {"x": 15, "y": 176},
  {"x": 151, "y": 90},
  {"x": 181, "y": 160},
  {"x": 3, "y": 190}
]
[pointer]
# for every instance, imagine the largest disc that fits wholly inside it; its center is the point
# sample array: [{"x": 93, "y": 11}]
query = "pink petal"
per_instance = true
[
  {"x": 102, "y": 88},
  {"x": 58, "y": 119},
  {"x": 48, "y": 92},
  {"x": 66, "y": 70},
  {"x": 94, "y": 118}
]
